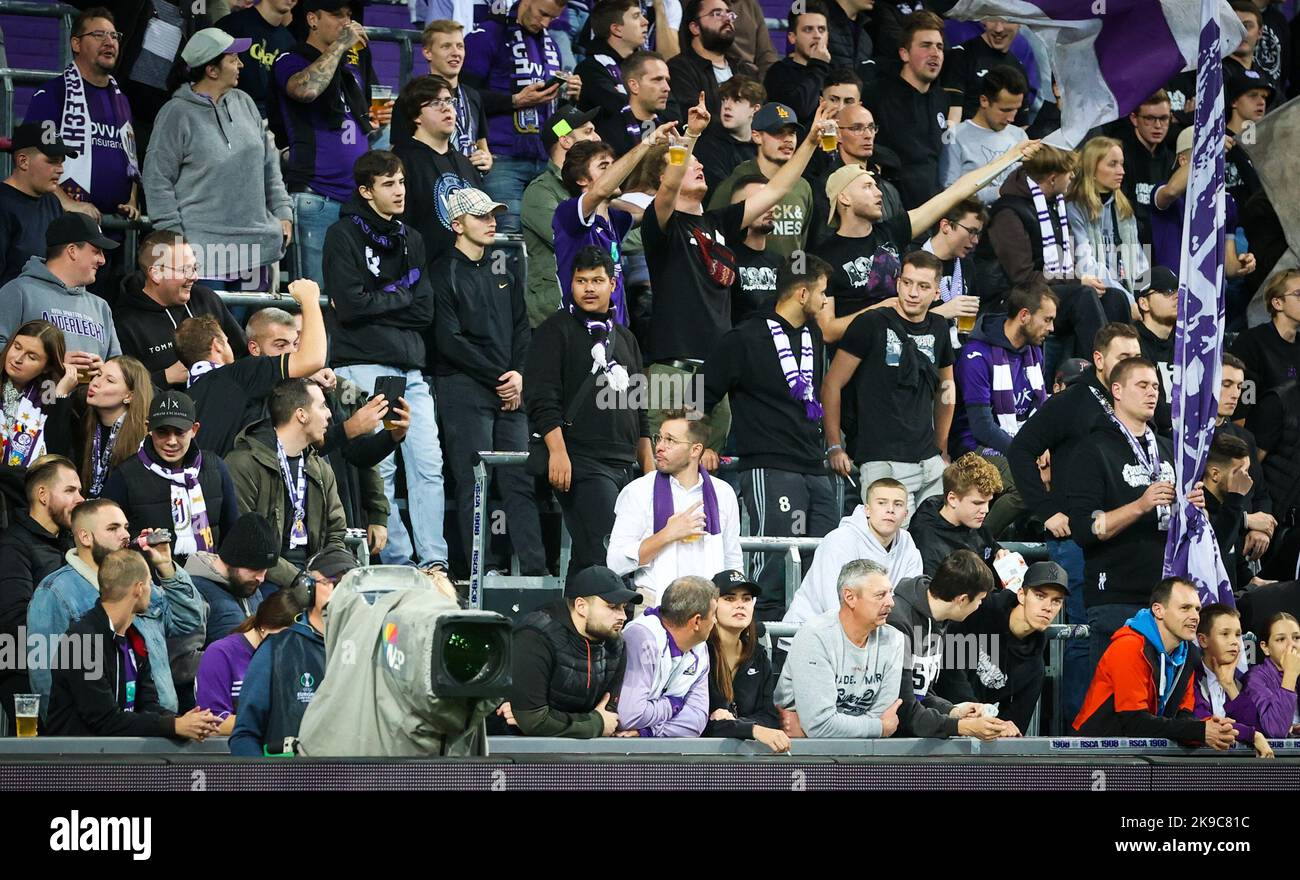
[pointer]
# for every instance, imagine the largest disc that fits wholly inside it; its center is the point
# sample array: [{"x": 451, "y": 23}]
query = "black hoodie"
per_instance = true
[
  {"x": 1161, "y": 353},
  {"x": 379, "y": 290},
  {"x": 936, "y": 538},
  {"x": 27, "y": 554},
  {"x": 1012, "y": 677},
  {"x": 147, "y": 330},
  {"x": 1062, "y": 426},
  {"x": 482, "y": 328}
]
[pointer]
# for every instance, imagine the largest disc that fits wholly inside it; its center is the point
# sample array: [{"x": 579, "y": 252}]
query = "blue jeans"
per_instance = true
[
  {"x": 1103, "y": 622},
  {"x": 312, "y": 216},
  {"x": 505, "y": 183},
  {"x": 422, "y": 453},
  {"x": 1076, "y": 658}
]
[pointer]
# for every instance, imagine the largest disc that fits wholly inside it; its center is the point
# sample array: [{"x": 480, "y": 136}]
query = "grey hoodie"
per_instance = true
[
  {"x": 837, "y": 688},
  {"x": 851, "y": 539},
  {"x": 36, "y": 294},
  {"x": 212, "y": 174}
]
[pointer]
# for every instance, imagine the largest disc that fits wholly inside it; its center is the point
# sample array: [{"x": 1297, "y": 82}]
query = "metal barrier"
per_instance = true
[{"x": 9, "y": 76}]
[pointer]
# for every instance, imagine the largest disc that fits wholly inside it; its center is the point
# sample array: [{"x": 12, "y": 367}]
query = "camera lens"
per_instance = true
[{"x": 472, "y": 652}]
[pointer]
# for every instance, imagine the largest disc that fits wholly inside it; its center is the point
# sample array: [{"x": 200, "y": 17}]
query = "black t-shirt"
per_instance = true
[
  {"x": 912, "y": 125},
  {"x": 866, "y": 269},
  {"x": 898, "y": 406},
  {"x": 296, "y": 555},
  {"x": 269, "y": 42},
  {"x": 624, "y": 131},
  {"x": 1270, "y": 361},
  {"x": 692, "y": 308},
  {"x": 229, "y": 399},
  {"x": 963, "y": 76},
  {"x": 755, "y": 287},
  {"x": 23, "y": 220},
  {"x": 1239, "y": 175},
  {"x": 430, "y": 176}
]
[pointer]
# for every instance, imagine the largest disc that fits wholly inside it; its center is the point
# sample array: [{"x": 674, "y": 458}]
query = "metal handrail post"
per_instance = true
[{"x": 478, "y": 541}]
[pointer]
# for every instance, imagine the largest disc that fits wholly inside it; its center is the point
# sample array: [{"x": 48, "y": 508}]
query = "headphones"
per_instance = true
[{"x": 303, "y": 586}]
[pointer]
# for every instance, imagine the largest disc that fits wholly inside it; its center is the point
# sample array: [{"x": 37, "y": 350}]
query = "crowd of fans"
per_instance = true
[{"x": 856, "y": 269}]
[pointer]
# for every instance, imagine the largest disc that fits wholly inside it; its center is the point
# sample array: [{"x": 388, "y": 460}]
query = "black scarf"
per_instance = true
[{"x": 343, "y": 94}]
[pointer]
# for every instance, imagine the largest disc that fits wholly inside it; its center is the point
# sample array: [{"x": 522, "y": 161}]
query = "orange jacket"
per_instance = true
[{"x": 1122, "y": 699}]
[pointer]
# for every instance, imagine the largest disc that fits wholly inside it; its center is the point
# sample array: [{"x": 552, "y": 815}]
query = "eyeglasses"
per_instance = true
[
  {"x": 442, "y": 103},
  {"x": 720, "y": 13},
  {"x": 973, "y": 233},
  {"x": 1156, "y": 120},
  {"x": 656, "y": 439},
  {"x": 861, "y": 128},
  {"x": 191, "y": 271},
  {"x": 115, "y": 36}
]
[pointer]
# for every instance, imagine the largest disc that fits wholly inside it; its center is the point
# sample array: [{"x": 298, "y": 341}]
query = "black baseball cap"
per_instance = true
[
  {"x": 44, "y": 138},
  {"x": 729, "y": 580},
  {"x": 172, "y": 409},
  {"x": 564, "y": 121},
  {"x": 1243, "y": 81},
  {"x": 1163, "y": 280},
  {"x": 74, "y": 227},
  {"x": 1046, "y": 574},
  {"x": 774, "y": 116},
  {"x": 603, "y": 582},
  {"x": 333, "y": 562},
  {"x": 1072, "y": 370}
]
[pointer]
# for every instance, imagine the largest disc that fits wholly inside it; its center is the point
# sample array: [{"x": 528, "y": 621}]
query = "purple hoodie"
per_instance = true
[
  {"x": 1241, "y": 710},
  {"x": 221, "y": 674},
  {"x": 1275, "y": 704}
]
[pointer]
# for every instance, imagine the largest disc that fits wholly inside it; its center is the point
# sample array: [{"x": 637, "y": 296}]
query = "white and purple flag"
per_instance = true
[
  {"x": 1191, "y": 550},
  {"x": 1109, "y": 55}
]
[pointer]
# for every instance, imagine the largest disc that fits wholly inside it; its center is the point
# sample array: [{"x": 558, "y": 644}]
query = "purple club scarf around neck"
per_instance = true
[{"x": 663, "y": 503}]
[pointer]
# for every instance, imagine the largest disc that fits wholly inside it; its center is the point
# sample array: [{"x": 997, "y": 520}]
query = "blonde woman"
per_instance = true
[{"x": 1108, "y": 254}]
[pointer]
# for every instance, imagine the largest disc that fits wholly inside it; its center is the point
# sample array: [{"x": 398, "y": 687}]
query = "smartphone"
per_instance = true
[
  {"x": 392, "y": 387},
  {"x": 554, "y": 81}
]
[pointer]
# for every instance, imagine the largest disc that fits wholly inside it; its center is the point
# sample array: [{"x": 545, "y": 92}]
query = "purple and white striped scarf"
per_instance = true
[
  {"x": 799, "y": 376},
  {"x": 1002, "y": 391},
  {"x": 602, "y": 352},
  {"x": 1058, "y": 256},
  {"x": 190, "y": 522}
]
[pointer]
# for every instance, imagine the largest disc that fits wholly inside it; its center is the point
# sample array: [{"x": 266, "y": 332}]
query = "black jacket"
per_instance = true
[
  {"x": 753, "y": 685},
  {"x": 772, "y": 429},
  {"x": 147, "y": 331},
  {"x": 146, "y": 498},
  {"x": 848, "y": 41},
  {"x": 796, "y": 85},
  {"x": 1104, "y": 476},
  {"x": 936, "y": 538},
  {"x": 482, "y": 328},
  {"x": 355, "y": 461},
  {"x": 911, "y": 128},
  {"x": 1279, "y": 433},
  {"x": 1063, "y": 425},
  {"x": 561, "y": 676},
  {"x": 601, "y": 90},
  {"x": 1012, "y": 678},
  {"x": 84, "y": 706},
  {"x": 1228, "y": 517},
  {"x": 27, "y": 554},
  {"x": 378, "y": 314},
  {"x": 691, "y": 74},
  {"x": 559, "y": 362},
  {"x": 720, "y": 153}
]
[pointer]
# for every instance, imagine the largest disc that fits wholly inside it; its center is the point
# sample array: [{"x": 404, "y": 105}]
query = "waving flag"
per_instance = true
[
  {"x": 1191, "y": 550},
  {"x": 1110, "y": 55}
]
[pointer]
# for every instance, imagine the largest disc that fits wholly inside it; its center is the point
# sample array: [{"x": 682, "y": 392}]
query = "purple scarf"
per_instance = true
[
  {"x": 663, "y": 503},
  {"x": 1003, "y": 400}
]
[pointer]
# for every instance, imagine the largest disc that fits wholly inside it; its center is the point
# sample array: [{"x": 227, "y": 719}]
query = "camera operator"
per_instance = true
[{"x": 289, "y": 666}]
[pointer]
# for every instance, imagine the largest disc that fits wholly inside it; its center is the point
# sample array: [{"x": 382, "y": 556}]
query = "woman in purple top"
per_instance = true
[
  {"x": 1218, "y": 685},
  {"x": 221, "y": 670},
  {"x": 1271, "y": 685}
]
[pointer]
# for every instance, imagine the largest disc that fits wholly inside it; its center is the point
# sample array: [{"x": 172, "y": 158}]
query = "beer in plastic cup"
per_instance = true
[
  {"x": 830, "y": 136},
  {"x": 379, "y": 96},
  {"x": 676, "y": 151},
  {"x": 26, "y": 709},
  {"x": 965, "y": 323}
]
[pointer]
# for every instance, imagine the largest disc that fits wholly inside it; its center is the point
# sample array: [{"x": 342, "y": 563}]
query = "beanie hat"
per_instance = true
[{"x": 252, "y": 543}]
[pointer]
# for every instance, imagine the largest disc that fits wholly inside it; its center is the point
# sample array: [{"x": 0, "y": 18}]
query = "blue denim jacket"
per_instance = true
[{"x": 65, "y": 595}]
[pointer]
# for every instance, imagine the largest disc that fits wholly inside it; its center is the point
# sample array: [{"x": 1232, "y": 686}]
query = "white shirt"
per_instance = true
[{"x": 634, "y": 522}]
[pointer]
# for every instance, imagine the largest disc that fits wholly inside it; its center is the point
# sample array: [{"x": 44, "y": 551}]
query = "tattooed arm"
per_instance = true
[{"x": 306, "y": 85}]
